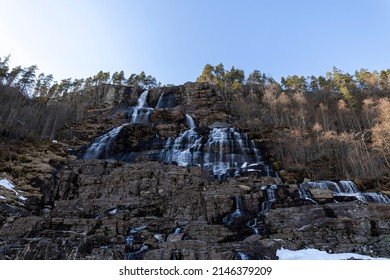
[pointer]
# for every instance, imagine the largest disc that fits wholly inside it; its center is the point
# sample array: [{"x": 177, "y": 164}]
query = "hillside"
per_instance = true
[{"x": 192, "y": 172}]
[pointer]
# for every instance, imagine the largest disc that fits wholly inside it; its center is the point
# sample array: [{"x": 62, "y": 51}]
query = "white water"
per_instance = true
[
  {"x": 237, "y": 213},
  {"x": 347, "y": 188},
  {"x": 270, "y": 197},
  {"x": 239, "y": 207},
  {"x": 325, "y": 185},
  {"x": 225, "y": 151},
  {"x": 165, "y": 101},
  {"x": 129, "y": 240},
  {"x": 101, "y": 145},
  {"x": 185, "y": 149},
  {"x": 141, "y": 112},
  {"x": 376, "y": 197},
  {"x": 190, "y": 122},
  {"x": 305, "y": 195},
  {"x": 253, "y": 225}
]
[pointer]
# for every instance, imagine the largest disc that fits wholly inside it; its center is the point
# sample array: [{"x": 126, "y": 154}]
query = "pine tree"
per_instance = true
[{"x": 207, "y": 75}]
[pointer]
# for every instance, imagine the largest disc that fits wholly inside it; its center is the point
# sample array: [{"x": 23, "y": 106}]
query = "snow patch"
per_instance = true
[
  {"x": 113, "y": 211},
  {"x": 10, "y": 186},
  {"x": 314, "y": 254}
]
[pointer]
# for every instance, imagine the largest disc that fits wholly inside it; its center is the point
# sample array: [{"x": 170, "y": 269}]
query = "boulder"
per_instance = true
[{"x": 322, "y": 195}]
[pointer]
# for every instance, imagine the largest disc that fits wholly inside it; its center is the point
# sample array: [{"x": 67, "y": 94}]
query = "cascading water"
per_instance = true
[
  {"x": 239, "y": 207},
  {"x": 228, "y": 151},
  {"x": 129, "y": 240},
  {"x": 305, "y": 195},
  {"x": 100, "y": 147},
  {"x": 140, "y": 113},
  {"x": 185, "y": 149},
  {"x": 165, "y": 101},
  {"x": 240, "y": 218},
  {"x": 347, "y": 188},
  {"x": 270, "y": 197},
  {"x": 343, "y": 188},
  {"x": 252, "y": 224},
  {"x": 223, "y": 152},
  {"x": 325, "y": 185},
  {"x": 236, "y": 214},
  {"x": 190, "y": 122},
  {"x": 377, "y": 197}
]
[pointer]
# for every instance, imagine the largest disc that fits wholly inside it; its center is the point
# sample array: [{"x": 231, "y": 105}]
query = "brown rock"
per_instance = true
[
  {"x": 322, "y": 195},
  {"x": 166, "y": 116},
  {"x": 168, "y": 130}
]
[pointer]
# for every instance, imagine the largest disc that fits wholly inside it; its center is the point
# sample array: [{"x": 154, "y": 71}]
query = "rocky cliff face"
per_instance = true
[{"x": 167, "y": 175}]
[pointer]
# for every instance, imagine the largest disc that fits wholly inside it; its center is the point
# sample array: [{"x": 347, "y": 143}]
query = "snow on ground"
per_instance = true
[
  {"x": 5, "y": 183},
  {"x": 113, "y": 212},
  {"x": 314, "y": 254}
]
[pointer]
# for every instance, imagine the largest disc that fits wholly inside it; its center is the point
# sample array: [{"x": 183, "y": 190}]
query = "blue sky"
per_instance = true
[{"x": 173, "y": 39}]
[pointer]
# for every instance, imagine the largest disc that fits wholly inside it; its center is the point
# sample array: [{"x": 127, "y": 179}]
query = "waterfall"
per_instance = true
[
  {"x": 160, "y": 102},
  {"x": 141, "y": 112},
  {"x": 377, "y": 197},
  {"x": 129, "y": 241},
  {"x": 229, "y": 219},
  {"x": 271, "y": 193},
  {"x": 190, "y": 122},
  {"x": 101, "y": 145},
  {"x": 239, "y": 207},
  {"x": 227, "y": 150},
  {"x": 165, "y": 101},
  {"x": 252, "y": 224},
  {"x": 347, "y": 188},
  {"x": 342, "y": 188},
  {"x": 184, "y": 150},
  {"x": 270, "y": 197},
  {"x": 224, "y": 152},
  {"x": 325, "y": 185},
  {"x": 141, "y": 101},
  {"x": 305, "y": 195}
]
